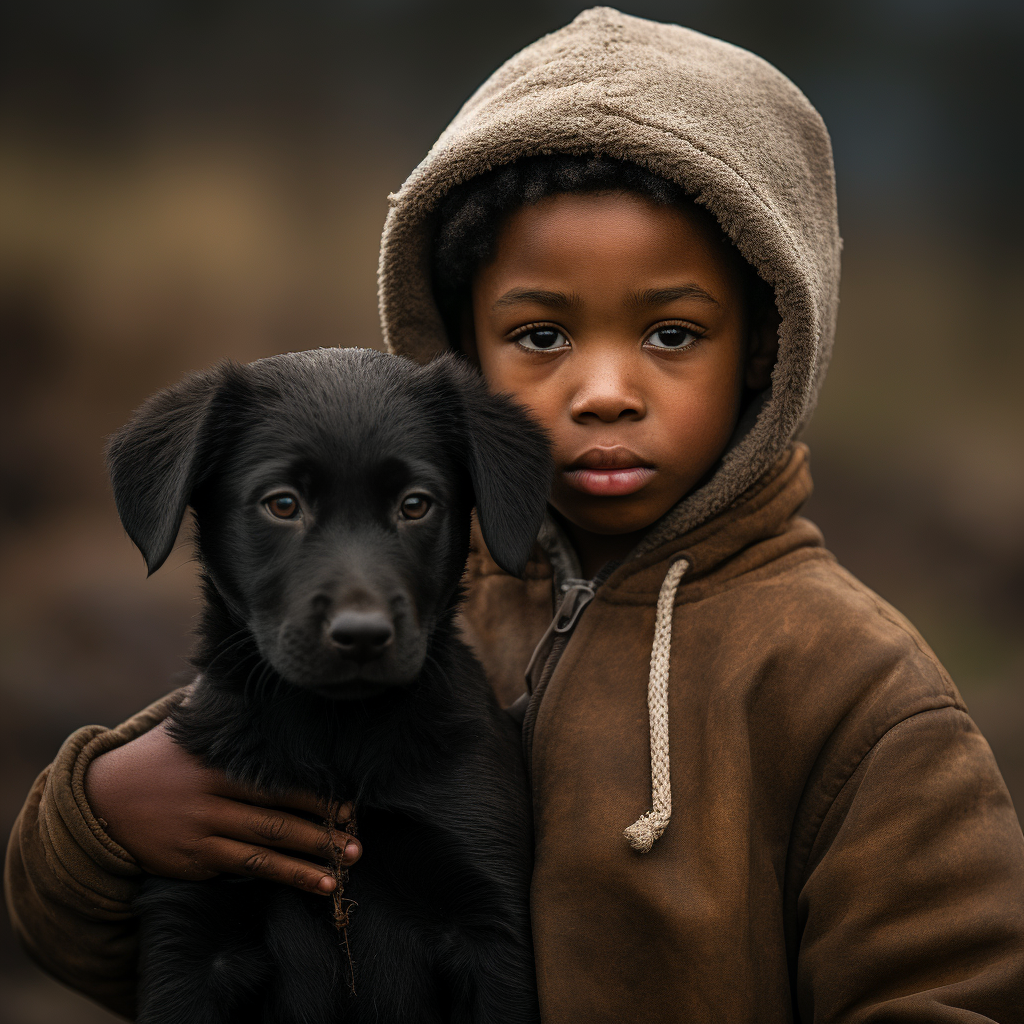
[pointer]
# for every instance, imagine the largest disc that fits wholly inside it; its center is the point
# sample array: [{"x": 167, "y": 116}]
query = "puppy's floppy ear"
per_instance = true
[
  {"x": 158, "y": 457},
  {"x": 506, "y": 455}
]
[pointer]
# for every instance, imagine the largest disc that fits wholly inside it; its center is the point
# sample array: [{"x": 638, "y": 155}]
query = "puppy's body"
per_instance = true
[
  {"x": 331, "y": 664},
  {"x": 439, "y": 931}
]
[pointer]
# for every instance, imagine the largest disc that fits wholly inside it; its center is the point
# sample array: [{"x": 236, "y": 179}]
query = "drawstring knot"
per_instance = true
[{"x": 643, "y": 833}]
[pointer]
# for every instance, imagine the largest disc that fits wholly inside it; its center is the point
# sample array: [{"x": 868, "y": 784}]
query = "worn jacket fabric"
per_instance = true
[
  {"x": 68, "y": 885},
  {"x": 842, "y": 846}
]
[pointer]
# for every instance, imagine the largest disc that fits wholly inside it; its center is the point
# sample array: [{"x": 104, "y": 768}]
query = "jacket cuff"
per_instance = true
[{"x": 98, "y": 875}]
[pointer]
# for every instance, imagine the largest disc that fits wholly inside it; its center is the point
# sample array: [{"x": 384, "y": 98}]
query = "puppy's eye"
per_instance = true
[
  {"x": 415, "y": 506},
  {"x": 282, "y": 506}
]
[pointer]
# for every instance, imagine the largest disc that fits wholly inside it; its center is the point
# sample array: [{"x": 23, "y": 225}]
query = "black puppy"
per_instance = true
[{"x": 332, "y": 493}]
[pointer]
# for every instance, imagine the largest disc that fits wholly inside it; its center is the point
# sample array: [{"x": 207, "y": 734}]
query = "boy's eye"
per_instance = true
[
  {"x": 672, "y": 337},
  {"x": 542, "y": 339},
  {"x": 282, "y": 505}
]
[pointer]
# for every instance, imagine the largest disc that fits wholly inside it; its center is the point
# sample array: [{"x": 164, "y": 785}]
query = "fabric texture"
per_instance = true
[
  {"x": 69, "y": 886},
  {"x": 842, "y": 848},
  {"x": 729, "y": 128}
]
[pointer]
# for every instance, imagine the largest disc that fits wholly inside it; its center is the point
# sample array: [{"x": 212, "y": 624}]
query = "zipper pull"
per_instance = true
[{"x": 578, "y": 594}]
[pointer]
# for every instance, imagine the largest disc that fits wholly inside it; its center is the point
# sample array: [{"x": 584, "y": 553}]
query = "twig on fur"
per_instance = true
[{"x": 342, "y": 905}]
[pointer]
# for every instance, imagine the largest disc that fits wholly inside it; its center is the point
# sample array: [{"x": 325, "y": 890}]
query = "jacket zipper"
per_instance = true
[{"x": 578, "y": 594}]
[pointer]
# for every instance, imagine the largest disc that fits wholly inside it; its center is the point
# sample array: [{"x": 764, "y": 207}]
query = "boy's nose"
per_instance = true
[{"x": 607, "y": 392}]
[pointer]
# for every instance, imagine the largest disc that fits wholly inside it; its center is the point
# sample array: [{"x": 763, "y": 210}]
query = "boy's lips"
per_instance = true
[{"x": 608, "y": 472}]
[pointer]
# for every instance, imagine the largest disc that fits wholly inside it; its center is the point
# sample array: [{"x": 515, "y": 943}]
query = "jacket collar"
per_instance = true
[
  {"x": 727, "y": 544},
  {"x": 724, "y": 545}
]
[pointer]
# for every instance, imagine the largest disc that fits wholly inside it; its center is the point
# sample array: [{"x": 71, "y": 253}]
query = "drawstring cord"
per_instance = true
[{"x": 643, "y": 833}]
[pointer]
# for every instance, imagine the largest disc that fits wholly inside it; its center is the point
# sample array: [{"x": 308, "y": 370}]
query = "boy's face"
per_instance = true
[{"x": 622, "y": 325}]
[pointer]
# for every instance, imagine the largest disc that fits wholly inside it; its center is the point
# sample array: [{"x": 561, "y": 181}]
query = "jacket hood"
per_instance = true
[{"x": 720, "y": 122}]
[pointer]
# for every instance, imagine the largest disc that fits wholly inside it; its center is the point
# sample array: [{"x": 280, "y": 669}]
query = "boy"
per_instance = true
[{"x": 826, "y": 837}]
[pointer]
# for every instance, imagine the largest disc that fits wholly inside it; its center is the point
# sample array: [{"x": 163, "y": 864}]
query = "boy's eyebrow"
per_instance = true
[
  {"x": 659, "y": 296},
  {"x": 557, "y": 299}
]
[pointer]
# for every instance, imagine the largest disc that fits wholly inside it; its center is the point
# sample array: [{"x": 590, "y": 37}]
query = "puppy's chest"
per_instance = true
[
  {"x": 423, "y": 868},
  {"x": 334, "y": 756}
]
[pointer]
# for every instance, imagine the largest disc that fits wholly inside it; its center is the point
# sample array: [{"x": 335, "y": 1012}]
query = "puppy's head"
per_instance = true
[{"x": 332, "y": 492}]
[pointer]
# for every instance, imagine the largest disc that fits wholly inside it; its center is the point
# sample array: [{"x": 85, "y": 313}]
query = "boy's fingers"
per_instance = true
[
  {"x": 296, "y": 800},
  {"x": 230, "y": 857},
  {"x": 258, "y": 826}
]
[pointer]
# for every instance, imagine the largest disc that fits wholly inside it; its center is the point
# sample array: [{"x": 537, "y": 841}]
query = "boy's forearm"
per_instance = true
[
  {"x": 69, "y": 887},
  {"x": 913, "y": 900}
]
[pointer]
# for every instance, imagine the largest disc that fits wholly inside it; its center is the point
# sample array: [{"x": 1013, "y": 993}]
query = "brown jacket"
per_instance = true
[{"x": 841, "y": 847}]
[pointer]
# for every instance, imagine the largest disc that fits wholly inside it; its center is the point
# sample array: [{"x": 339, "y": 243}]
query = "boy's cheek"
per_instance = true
[{"x": 548, "y": 407}]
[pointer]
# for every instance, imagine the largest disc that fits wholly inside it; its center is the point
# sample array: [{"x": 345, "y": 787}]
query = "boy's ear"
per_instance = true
[
  {"x": 157, "y": 459},
  {"x": 506, "y": 455}
]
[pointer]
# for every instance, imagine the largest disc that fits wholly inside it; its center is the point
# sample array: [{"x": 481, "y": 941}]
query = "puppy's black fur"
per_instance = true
[{"x": 330, "y": 662}]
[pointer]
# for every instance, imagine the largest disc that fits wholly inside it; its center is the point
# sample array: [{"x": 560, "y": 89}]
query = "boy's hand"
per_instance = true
[{"x": 180, "y": 819}]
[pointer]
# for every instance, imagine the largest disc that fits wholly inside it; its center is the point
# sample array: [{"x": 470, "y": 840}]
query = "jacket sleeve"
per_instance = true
[
  {"x": 69, "y": 887},
  {"x": 912, "y": 907}
]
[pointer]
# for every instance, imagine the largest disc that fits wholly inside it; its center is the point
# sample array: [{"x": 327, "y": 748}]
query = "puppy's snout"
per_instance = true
[{"x": 361, "y": 635}]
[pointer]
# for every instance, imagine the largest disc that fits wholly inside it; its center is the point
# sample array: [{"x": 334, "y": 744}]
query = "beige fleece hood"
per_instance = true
[{"x": 722, "y": 123}]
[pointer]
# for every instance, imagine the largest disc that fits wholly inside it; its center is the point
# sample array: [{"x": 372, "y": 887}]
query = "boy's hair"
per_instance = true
[{"x": 471, "y": 215}]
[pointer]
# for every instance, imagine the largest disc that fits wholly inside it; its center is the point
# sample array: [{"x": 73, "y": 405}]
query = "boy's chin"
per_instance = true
[{"x": 613, "y": 515}]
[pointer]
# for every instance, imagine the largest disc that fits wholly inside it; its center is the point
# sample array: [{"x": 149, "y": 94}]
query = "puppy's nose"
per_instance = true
[{"x": 361, "y": 635}]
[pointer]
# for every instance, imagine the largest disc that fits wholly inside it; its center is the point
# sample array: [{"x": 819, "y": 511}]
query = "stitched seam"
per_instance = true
[
  {"x": 878, "y": 739},
  {"x": 883, "y": 613}
]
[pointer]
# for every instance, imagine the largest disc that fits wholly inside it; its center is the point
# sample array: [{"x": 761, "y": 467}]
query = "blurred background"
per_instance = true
[{"x": 182, "y": 182}]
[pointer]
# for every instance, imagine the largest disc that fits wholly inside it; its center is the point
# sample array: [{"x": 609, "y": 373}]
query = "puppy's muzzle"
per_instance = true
[{"x": 361, "y": 635}]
